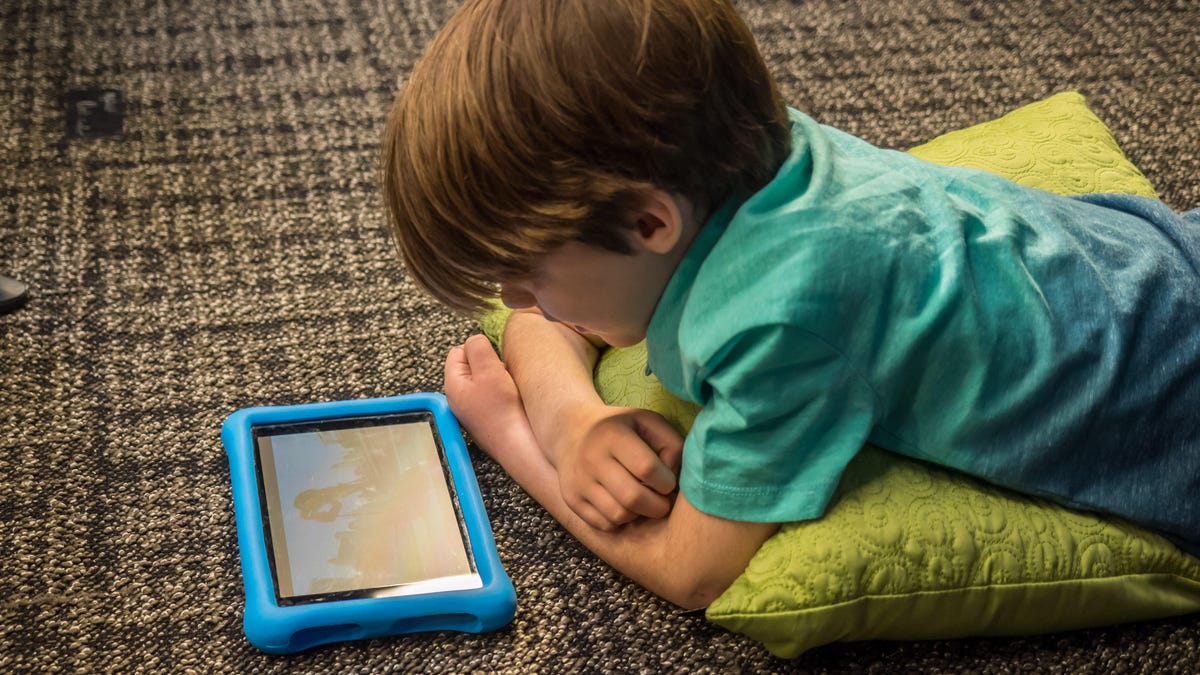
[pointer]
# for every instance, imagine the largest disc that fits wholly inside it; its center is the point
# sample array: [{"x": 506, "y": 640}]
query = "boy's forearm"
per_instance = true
[
  {"x": 552, "y": 366},
  {"x": 688, "y": 558},
  {"x": 689, "y": 567}
]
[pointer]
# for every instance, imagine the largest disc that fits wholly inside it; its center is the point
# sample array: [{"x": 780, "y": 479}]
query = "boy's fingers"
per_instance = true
[
  {"x": 457, "y": 364},
  {"x": 651, "y": 504},
  {"x": 631, "y": 496},
  {"x": 667, "y": 445},
  {"x": 646, "y": 468},
  {"x": 611, "y": 513},
  {"x": 672, "y": 456},
  {"x": 658, "y": 432},
  {"x": 589, "y": 514},
  {"x": 479, "y": 352}
]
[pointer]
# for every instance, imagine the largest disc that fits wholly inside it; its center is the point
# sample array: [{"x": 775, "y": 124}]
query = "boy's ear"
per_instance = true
[{"x": 659, "y": 222}]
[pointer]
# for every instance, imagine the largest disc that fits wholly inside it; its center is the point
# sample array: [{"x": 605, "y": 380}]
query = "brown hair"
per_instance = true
[{"x": 531, "y": 123}]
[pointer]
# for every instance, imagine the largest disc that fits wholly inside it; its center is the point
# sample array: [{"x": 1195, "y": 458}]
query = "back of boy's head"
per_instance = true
[{"x": 531, "y": 123}]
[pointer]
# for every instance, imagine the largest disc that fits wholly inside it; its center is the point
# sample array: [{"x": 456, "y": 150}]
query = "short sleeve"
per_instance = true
[{"x": 783, "y": 413}]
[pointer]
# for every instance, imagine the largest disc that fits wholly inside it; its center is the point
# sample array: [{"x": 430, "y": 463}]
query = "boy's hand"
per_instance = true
[
  {"x": 617, "y": 464},
  {"x": 482, "y": 395},
  {"x": 614, "y": 465}
]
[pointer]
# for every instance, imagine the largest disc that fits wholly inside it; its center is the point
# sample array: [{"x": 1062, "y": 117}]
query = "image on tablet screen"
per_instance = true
[{"x": 362, "y": 509}]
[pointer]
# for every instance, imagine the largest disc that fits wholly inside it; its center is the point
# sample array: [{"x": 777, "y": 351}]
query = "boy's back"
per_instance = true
[{"x": 1043, "y": 343}]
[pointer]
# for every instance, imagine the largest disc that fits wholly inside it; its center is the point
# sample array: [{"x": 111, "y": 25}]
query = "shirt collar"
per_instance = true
[{"x": 664, "y": 323}]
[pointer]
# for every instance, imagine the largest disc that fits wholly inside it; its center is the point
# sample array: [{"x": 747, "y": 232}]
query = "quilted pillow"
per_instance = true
[{"x": 910, "y": 551}]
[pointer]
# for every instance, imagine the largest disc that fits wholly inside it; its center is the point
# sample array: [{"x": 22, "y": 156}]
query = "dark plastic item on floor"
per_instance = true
[{"x": 12, "y": 294}]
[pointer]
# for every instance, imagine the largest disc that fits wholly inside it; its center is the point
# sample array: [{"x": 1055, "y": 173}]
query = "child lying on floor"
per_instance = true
[{"x": 626, "y": 170}]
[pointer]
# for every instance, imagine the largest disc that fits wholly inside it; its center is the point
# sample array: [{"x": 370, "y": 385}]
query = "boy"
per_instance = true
[{"x": 627, "y": 170}]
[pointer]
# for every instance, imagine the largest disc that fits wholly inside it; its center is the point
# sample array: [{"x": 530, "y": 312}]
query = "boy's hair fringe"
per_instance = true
[{"x": 531, "y": 123}]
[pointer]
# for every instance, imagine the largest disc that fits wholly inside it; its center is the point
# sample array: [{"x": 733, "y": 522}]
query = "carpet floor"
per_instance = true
[{"x": 228, "y": 249}]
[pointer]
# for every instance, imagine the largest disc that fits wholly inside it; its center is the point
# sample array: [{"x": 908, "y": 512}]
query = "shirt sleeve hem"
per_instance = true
[{"x": 756, "y": 505}]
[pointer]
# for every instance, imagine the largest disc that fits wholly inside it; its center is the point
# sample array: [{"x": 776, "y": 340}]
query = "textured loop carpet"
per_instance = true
[{"x": 228, "y": 250}]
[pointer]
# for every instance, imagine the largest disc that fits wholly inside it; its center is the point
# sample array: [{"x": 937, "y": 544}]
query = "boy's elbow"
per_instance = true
[
  {"x": 705, "y": 555},
  {"x": 697, "y": 584},
  {"x": 699, "y": 595}
]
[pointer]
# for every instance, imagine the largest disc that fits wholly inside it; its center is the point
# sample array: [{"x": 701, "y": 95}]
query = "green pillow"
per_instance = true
[{"x": 910, "y": 551}]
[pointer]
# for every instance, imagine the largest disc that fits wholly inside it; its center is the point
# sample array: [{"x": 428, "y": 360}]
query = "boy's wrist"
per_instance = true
[{"x": 565, "y": 428}]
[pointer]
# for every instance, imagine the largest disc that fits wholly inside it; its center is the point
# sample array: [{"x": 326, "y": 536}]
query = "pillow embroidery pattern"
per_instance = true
[
  {"x": 1057, "y": 145},
  {"x": 912, "y": 552}
]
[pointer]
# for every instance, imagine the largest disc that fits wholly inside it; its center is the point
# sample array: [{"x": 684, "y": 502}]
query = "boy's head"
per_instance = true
[{"x": 528, "y": 124}]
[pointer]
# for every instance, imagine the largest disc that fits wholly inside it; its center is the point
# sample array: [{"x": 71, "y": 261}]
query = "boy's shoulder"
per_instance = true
[
  {"x": 838, "y": 228},
  {"x": 772, "y": 270}
]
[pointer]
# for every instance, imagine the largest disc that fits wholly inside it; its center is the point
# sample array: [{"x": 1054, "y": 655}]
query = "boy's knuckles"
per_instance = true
[
  {"x": 629, "y": 494},
  {"x": 644, "y": 467}
]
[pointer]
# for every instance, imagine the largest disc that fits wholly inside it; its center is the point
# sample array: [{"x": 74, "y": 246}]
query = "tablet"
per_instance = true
[{"x": 360, "y": 519}]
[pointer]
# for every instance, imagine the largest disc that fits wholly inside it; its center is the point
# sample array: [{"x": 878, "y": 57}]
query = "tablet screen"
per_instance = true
[{"x": 360, "y": 507}]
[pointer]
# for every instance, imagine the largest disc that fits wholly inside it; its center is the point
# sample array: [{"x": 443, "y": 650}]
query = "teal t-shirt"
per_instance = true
[{"x": 1045, "y": 343}]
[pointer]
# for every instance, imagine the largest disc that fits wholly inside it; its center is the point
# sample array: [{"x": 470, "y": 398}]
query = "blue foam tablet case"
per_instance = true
[{"x": 282, "y": 629}]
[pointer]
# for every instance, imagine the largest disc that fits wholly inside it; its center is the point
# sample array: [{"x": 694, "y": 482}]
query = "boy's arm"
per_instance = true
[
  {"x": 612, "y": 464},
  {"x": 688, "y": 558},
  {"x": 552, "y": 366}
]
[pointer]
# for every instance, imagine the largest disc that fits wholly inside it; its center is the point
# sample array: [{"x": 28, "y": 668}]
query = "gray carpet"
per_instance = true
[{"x": 228, "y": 250}]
